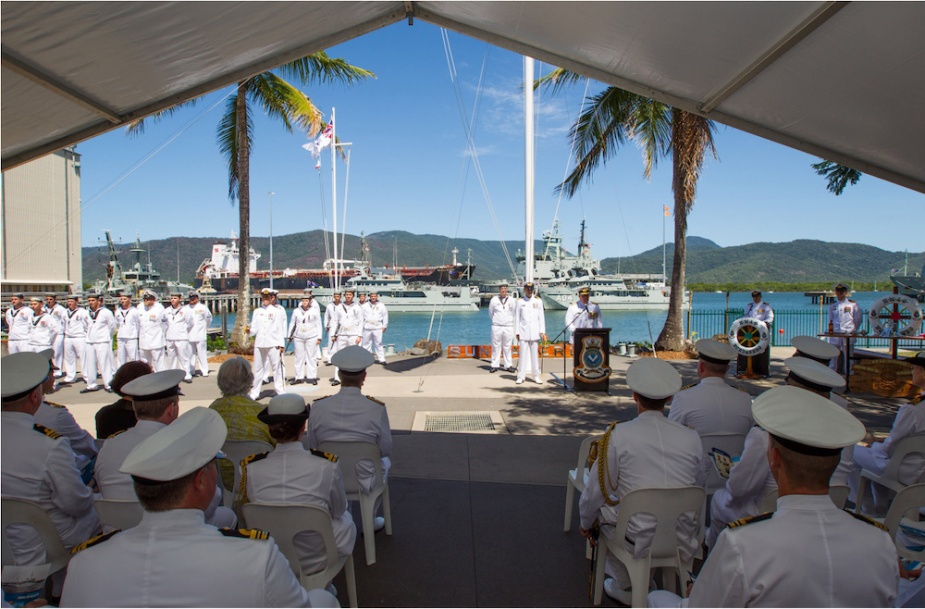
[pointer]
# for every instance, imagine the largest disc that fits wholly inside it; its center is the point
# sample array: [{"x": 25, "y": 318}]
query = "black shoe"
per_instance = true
[
  {"x": 492, "y": 370},
  {"x": 512, "y": 369},
  {"x": 382, "y": 363},
  {"x": 268, "y": 380},
  {"x": 107, "y": 389},
  {"x": 335, "y": 382},
  {"x": 65, "y": 383},
  {"x": 188, "y": 381},
  {"x": 88, "y": 390},
  {"x": 296, "y": 382},
  {"x": 314, "y": 381},
  {"x": 197, "y": 373}
]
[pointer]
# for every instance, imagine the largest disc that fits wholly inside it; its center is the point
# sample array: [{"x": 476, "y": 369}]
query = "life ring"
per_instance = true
[
  {"x": 749, "y": 336},
  {"x": 895, "y": 315}
]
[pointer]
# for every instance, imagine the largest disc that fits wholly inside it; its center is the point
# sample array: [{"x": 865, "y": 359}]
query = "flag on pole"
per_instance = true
[
  {"x": 667, "y": 211},
  {"x": 320, "y": 143}
]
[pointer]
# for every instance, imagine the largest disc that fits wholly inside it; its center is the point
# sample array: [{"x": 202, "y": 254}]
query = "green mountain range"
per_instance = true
[{"x": 803, "y": 261}]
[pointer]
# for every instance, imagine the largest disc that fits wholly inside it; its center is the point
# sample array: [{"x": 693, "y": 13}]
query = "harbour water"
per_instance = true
[{"x": 473, "y": 327}]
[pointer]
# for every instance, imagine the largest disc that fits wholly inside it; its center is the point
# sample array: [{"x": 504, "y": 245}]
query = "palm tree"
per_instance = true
[
  {"x": 615, "y": 117},
  {"x": 838, "y": 177},
  {"x": 282, "y": 101}
]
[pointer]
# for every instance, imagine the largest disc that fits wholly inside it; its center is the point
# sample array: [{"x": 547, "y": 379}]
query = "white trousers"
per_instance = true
[
  {"x": 18, "y": 346},
  {"x": 73, "y": 350},
  {"x": 306, "y": 357},
  {"x": 840, "y": 343},
  {"x": 178, "y": 356},
  {"x": 98, "y": 359},
  {"x": 126, "y": 351},
  {"x": 529, "y": 360},
  {"x": 153, "y": 357},
  {"x": 266, "y": 362},
  {"x": 58, "y": 357},
  {"x": 198, "y": 353},
  {"x": 372, "y": 342},
  {"x": 501, "y": 339}
]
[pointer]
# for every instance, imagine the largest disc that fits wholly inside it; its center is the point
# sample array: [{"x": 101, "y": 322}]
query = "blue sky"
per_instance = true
[{"x": 410, "y": 171}]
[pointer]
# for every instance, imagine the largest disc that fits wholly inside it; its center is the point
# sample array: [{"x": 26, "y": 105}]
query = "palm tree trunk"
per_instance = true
[{"x": 239, "y": 337}]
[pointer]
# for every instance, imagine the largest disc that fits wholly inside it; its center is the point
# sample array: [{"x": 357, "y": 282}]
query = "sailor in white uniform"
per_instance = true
[
  {"x": 43, "y": 329},
  {"x": 808, "y": 553},
  {"x": 98, "y": 356},
  {"x": 268, "y": 325},
  {"x": 909, "y": 420},
  {"x": 202, "y": 319},
  {"x": 649, "y": 451},
  {"x": 712, "y": 406},
  {"x": 129, "y": 326},
  {"x": 53, "y": 307},
  {"x": 18, "y": 317},
  {"x": 179, "y": 324},
  {"x": 582, "y": 314},
  {"x": 815, "y": 349},
  {"x": 38, "y": 463},
  {"x": 152, "y": 333},
  {"x": 348, "y": 327},
  {"x": 529, "y": 329},
  {"x": 173, "y": 558},
  {"x": 75, "y": 339},
  {"x": 501, "y": 313},
  {"x": 350, "y": 416},
  {"x": 845, "y": 317},
  {"x": 293, "y": 475},
  {"x": 330, "y": 312},
  {"x": 375, "y": 322},
  {"x": 762, "y": 311},
  {"x": 305, "y": 332}
]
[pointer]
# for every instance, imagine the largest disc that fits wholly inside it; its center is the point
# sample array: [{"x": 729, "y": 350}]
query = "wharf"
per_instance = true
[{"x": 477, "y": 517}]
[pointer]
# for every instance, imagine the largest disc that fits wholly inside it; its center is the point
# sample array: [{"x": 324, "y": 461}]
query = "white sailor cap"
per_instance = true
[
  {"x": 176, "y": 294},
  {"x": 74, "y": 296},
  {"x": 806, "y": 422},
  {"x": 284, "y": 407},
  {"x": 95, "y": 294},
  {"x": 584, "y": 291},
  {"x": 37, "y": 299},
  {"x": 148, "y": 294},
  {"x": 350, "y": 290},
  {"x": 193, "y": 295},
  {"x": 714, "y": 351},
  {"x": 653, "y": 378},
  {"x": 266, "y": 292},
  {"x": 154, "y": 386},
  {"x": 18, "y": 295},
  {"x": 22, "y": 372},
  {"x": 353, "y": 359},
  {"x": 813, "y": 348},
  {"x": 840, "y": 286},
  {"x": 181, "y": 448},
  {"x": 813, "y": 374},
  {"x": 51, "y": 295},
  {"x": 503, "y": 284},
  {"x": 307, "y": 293}
]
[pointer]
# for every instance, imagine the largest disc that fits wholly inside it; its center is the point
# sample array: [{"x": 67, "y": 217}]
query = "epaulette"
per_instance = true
[
  {"x": 751, "y": 519},
  {"x": 251, "y": 458},
  {"x": 864, "y": 518},
  {"x": 117, "y": 433},
  {"x": 93, "y": 541},
  {"x": 51, "y": 433},
  {"x": 245, "y": 533},
  {"x": 324, "y": 397},
  {"x": 689, "y": 386},
  {"x": 55, "y": 405},
  {"x": 372, "y": 399},
  {"x": 738, "y": 389},
  {"x": 329, "y": 456},
  {"x": 917, "y": 399}
]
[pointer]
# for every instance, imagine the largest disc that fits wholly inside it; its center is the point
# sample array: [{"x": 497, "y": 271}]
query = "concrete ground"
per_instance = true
[{"x": 478, "y": 517}]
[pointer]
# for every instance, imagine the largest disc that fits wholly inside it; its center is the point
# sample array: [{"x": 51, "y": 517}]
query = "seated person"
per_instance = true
[
  {"x": 120, "y": 415},
  {"x": 291, "y": 474}
]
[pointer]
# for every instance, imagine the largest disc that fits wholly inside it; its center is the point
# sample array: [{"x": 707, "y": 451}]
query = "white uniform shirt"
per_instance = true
[
  {"x": 581, "y": 316},
  {"x": 712, "y": 406},
  {"x": 749, "y": 481},
  {"x": 102, "y": 326},
  {"x": 845, "y": 316},
  {"x": 910, "y": 419},
  {"x": 128, "y": 322},
  {"x": 113, "y": 483},
  {"x": 291, "y": 474},
  {"x": 43, "y": 329},
  {"x": 174, "y": 559},
  {"x": 375, "y": 316},
  {"x": 306, "y": 323},
  {"x": 17, "y": 322},
  {"x": 501, "y": 312},
  {"x": 761, "y": 311},
  {"x": 77, "y": 323},
  {"x": 58, "y": 311},
  {"x": 529, "y": 319},
  {"x": 39, "y": 468},
  {"x": 57, "y": 417},
  {"x": 348, "y": 321},
  {"x": 330, "y": 315},
  {"x": 179, "y": 323},
  {"x": 350, "y": 416},
  {"x": 268, "y": 324},
  {"x": 648, "y": 452},
  {"x": 807, "y": 554},
  {"x": 202, "y": 319},
  {"x": 152, "y": 326}
]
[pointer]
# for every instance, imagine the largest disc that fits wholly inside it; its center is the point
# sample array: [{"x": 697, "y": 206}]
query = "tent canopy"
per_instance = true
[{"x": 843, "y": 81}]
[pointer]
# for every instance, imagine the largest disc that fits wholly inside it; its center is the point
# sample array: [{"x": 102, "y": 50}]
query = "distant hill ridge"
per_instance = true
[{"x": 798, "y": 261}]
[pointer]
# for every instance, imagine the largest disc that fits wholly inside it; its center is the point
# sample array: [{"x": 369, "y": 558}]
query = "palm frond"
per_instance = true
[
  {"x": 650, "y": 128},
  {"x": 137, "y": 127},
  {"x": 557, "y": 79},
  {"x": 837, "y": 176},
  {"x": 282, "y": 101},
  {"x": 319, "y": 68}
]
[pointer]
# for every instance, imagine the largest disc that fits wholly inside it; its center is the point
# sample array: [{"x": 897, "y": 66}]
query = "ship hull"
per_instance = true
[{"x": 633, "y": 299}]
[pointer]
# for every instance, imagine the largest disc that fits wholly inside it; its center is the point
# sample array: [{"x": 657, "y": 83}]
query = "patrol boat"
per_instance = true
[
  {"x": 138, "y": 278},
  {"x": 910, "y": 285},
  {"x": 401, "y": 297}
]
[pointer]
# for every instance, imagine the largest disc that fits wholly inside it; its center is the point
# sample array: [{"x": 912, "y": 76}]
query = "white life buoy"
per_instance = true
[
  {"x": 749, "y": 336},
  {"x": 895, "y": 315}
]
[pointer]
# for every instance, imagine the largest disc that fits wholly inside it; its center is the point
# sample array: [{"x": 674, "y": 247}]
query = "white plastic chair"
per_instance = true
[
  {"x": 577, "y": 479},
  {"x": 348, "y": 454},
  {"x": 666, "y": 505},
  {"x": 890, "y": 477},
  {"x": 236, "y": 451},
  {"x": 21, "y": 511},
  {"x": 728, "y": 442},
  {"x": 284, "y": 522},
  {"x": 910, "y": 499},
  {"x": 118, "y": 513}
]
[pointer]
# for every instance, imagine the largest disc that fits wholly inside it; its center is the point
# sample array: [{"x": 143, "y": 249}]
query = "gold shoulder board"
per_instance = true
[
  {"x": 864, "y": 518},
  {"x": 117, "y": 433},
  {"x": 321, "y": 398},
  {"x": 55, "y": 405},
  {"x": 329, "y": 456},
  {"x": 751, "y": 519},
  {"x": 372, "y": 399},
  {"x": 93, "y": 541},
  {"x": 252, "y": 458},
  {"x": 51, "y": 433},
  {"x": 245, "y": 533}
]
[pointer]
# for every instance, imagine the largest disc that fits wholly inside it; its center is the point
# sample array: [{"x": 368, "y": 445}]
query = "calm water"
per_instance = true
[{"x": 473, "y": 328}]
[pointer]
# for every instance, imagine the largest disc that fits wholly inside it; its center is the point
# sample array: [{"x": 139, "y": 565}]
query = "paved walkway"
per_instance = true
[{"x": 477, "y": 517}]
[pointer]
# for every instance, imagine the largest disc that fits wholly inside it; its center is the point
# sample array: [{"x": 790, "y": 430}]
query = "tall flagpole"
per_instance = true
[
  {"x": 529, "y": 166},
  {"x": 334, "y": 198}
]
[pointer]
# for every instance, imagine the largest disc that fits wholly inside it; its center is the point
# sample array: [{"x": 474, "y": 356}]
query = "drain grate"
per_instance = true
[{"x": 459, "y": 422}]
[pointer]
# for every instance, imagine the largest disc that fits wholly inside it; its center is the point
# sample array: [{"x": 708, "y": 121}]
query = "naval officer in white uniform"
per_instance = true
[
  {"x": 129, "y": 326},
  {"x": 98, "y": 357},
  {"x": 582, "y": 314},
  {"x": 347, "y": 327},
  {"x": 649, "y": 451},
  {"x": 173, "y": 558},
  {"x": 179, "y": 324},
  {"x": 375, "y": 322},
  {"x": 529, "y": 329},
  {"x": 845, "y": 317},
  {"x": 152, "y": 333},
  {"x": 330, "y": 313},
  {"x": 202, "y": 319},
  {"x": 808, "y": 553},
  {"x": 268, "y": 324},
  {"x": 305, "y": 331},
  {"x": 501, "y": 313},
  {"x": 75, "y": 338}
]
